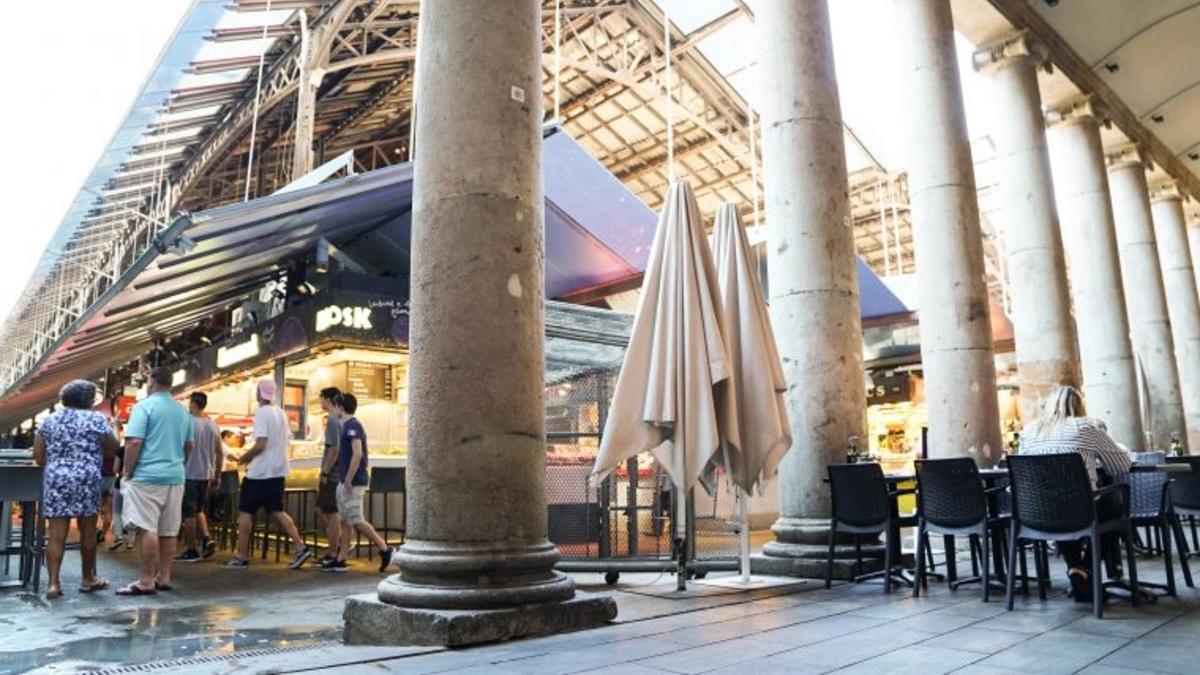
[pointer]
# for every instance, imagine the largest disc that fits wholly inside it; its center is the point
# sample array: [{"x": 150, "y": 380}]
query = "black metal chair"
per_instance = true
[
  {"x": 862, "y": 504},
  {"x": 1185, "y": 502},
  {"x": 1053, "y": 500},
  {"x": 952, "y": 502},
  {"x": 1150, "y": 507}
]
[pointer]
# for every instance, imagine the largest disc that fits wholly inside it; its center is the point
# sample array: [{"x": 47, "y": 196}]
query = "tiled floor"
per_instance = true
[{"x": 268, "y": 618}]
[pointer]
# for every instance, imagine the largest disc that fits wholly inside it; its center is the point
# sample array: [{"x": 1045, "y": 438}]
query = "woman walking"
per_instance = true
[{"x": 70, "y": 446}]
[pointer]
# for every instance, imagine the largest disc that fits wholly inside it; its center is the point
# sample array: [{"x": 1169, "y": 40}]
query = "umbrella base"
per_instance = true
[{"x": 370, "y": 621}]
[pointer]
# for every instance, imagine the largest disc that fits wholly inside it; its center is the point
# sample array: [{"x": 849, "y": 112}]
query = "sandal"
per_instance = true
[
  {"x": 134, "y": 589},
  {"x": 163, "y": 587},
  {"x": 52, "y": 593},
  {"x": 97, "y": 585},
  {"x": 1081, "y": 585}
]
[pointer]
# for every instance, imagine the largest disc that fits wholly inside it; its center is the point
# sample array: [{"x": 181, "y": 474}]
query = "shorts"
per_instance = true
[
  {"x": 150, "y": 507},
  {"x": 350, "y": 503},
  {"x": 327, "y": 501},
  {"x": 107, "y": 483},
  {"x": 195, "y": 497},
  {"x": 261, "y": 493}
]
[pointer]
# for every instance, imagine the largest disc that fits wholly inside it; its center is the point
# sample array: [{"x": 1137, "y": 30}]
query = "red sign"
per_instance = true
[{"x": 125, "y": 407}]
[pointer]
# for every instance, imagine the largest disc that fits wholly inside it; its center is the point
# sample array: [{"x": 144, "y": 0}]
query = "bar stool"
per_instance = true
[{"x": 385, "y": 481}]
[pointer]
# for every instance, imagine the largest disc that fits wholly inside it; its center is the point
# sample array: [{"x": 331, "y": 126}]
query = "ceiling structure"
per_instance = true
[{"x": 216, "y": 121}]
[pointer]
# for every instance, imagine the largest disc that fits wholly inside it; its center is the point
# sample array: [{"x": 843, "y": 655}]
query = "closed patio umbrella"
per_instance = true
[
  {"x": 755, "y": 369},
  {"x": 673, "y": 395}
]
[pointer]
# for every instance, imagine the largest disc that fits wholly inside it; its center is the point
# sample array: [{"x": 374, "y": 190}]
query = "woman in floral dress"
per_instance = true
[{"x": 69, "y": 446}]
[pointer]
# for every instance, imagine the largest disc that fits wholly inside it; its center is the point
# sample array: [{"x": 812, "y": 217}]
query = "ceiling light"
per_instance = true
[
  {"x": 1158, "y": 119},
  {"x": 1112, "y": 66}
]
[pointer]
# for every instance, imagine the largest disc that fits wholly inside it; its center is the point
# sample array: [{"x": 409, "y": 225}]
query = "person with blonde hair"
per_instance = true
[{"x": 1062, "y": 426}]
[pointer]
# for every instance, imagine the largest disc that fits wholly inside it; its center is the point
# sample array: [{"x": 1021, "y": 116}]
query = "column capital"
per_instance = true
[
  {"x": 1014, "y": 48},
  {"x": 1080, "y": 109},
  {"x": 1166, "y": 190},
  {"x": 1125, "y": 155}
]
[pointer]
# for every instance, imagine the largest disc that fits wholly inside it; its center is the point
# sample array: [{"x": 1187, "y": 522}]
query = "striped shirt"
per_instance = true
[{"x": 1085, "y": 436}]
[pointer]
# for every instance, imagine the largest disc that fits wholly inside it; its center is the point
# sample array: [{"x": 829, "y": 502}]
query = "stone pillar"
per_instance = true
[
  {"x": 477, "y": 565},
  {"x": 1109, "y": 373},
  {"x": 1145, "y": 300},
  {"x": 1041, "y": 306},
  {"x": 1193, "y": 235},
  {"x": 956, "y": 329},
  {"x": 813, "y": 279},
  {"x": 1183, "y": 305}
]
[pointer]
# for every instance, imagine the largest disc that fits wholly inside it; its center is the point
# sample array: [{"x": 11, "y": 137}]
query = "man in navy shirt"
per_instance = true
[{"x": 352, "y": 486}]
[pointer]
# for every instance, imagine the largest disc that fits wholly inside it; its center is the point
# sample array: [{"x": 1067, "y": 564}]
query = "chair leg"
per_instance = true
[
  {"x": 1164, "y": 532},
  {"x": 887, "y": 559},
  {"x": 951, "y": 559},
  {"x": 922, "y": 542},
  {"x": 858, "y": 559},
  {"x": 1131, "y": 560},
  {"x": 928, "y": 548},
  {"x": 829, "y": 562},
  {"x": 1181, "y": 547},
  {"x": 1097, "y": 582},
  {"x": 973, "y": 544},
  {"x": 1009, "y": 578},
  {"x": 986, "y": 578},
  {"x": 1041, "y": 571},
  {"x": 1024, "y": 571}
]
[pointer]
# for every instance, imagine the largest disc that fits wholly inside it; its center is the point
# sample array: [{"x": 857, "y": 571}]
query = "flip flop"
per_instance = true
[
  {"x": 134, "y": 589},
  {"x": 97, "y": 586},
  {"x": 163, "y": 587},
  {"x": 51, "y": 595}
]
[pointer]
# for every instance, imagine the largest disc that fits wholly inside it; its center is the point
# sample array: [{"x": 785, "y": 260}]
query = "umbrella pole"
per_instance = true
[
  {"x": 744, "y": 534},
  {"x": 681, "y": 542}
]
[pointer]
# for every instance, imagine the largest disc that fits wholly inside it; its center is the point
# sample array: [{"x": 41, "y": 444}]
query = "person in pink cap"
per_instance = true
[{"x": 266, "y": 469}]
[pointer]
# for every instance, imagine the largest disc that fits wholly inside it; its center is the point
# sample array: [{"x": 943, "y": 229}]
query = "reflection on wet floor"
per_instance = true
[{"x": 153, "y": 633}]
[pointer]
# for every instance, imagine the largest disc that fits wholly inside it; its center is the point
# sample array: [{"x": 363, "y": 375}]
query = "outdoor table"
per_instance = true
[{"x": 21, "y": 483}]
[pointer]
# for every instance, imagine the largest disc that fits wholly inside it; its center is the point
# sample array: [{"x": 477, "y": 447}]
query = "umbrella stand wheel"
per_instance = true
[{"x": 611, "y": 578}]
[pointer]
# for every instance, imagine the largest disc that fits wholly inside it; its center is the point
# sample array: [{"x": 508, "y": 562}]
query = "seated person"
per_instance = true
[{"x": 1062, "y": 426}]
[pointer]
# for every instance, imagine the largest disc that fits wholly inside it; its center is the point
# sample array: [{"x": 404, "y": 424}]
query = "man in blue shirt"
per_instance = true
[
  {"x": 352, "y": 486},
  {"x": 158, "y": 440}
]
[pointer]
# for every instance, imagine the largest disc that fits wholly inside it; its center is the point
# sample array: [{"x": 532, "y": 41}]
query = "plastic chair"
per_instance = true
[
  {"x": 1150, "y": 507},
  {"x": 951, "y": 501},
  {"x": 1053, "y": 500},
  {"x": 861, "y": 505},
  {"x": 1185, "y": 501}
]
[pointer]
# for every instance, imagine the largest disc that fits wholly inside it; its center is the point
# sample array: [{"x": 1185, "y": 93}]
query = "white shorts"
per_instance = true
[
  {"x": 154, "y": 508},
  {"x": 350, "y": 503}
]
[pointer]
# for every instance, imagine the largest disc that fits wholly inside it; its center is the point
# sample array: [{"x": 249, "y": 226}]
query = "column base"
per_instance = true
[
  {"x": 801, "y": 549},
  {"x": 370, "y": 621}
]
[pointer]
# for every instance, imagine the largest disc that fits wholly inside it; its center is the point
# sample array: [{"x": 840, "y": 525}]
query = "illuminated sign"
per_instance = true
[
  {"x": 358, "y": 318},
  {"x": 227, "y": 356},
  {"x": 178, "y": 377}
]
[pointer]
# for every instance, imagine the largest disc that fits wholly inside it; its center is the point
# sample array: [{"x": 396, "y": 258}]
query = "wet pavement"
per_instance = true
[{"x": 270, "y": 619}]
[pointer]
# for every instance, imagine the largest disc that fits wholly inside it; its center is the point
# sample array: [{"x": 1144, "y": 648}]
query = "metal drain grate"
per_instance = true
[{"x": 170, "y": 664}]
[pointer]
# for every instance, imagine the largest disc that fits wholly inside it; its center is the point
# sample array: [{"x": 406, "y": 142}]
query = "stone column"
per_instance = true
[
  {"x": 956, "y": 329},
  {"x": 1183, "y": 306},
  {"x": 477, "y": 565},
  {"x": 1041, "y": 306},
  {"x": 1193, "y": 235},
  {"x": 1146, "y": 300},
  {"x": 813, "y": 279},
  {"x": 1109, "y": 374}
]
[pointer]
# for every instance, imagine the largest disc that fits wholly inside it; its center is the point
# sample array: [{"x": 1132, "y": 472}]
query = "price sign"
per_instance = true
[{"x": 369, "y": 380}]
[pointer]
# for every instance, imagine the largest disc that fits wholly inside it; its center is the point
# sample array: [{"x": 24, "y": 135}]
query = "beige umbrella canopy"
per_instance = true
[
  {"x": 673, "y": 396},
  {"x": 756, "y": 371}
]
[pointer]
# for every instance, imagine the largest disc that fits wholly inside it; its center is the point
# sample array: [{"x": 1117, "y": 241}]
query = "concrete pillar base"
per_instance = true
[
  {"x": 801, "y": 549},
  {"x": 814, "y": 567},
  {"x": 369, "y": 621}
]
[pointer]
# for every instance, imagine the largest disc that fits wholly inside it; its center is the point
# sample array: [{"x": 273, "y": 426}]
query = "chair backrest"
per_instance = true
[
  {"x": 1151, "y": 458},
  {"x": 387, "y": 479},
  {"x": 1052, "y": 493},
  {"x": 1146, "y": 492},
  {"x": 859, "y": 494},
  {"x": 1185, "y": 490},
  {"x": 950, "y": 493}
]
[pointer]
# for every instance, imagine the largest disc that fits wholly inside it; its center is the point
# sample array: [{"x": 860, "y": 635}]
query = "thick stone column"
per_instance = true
[
  {"x": 1109, "y": 373},
  {"x": 477, "y": 565},
  {"x": 1183, "y": 306},
  {"x": 1193, "y": 235},
  {"x": 813, "y": 280},
  {"x": 956, "y": 329},
  {"x": 1041, "y": 314},
  {"x": 1146, "y": 300}
]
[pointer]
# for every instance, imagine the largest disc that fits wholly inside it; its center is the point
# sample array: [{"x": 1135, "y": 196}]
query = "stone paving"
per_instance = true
[{"x": 270, "y": 619}]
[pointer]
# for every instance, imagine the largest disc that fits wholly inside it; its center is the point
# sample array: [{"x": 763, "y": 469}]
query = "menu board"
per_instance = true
[{"x": 369, "y": 380}]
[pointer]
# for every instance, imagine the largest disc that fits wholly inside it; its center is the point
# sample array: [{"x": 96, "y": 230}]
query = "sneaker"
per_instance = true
[
  {"x": 191, "y": 555},
  {"x": 298, "y": 559},
  {"x": 335, "y": 565},
  {"x": 210, "y": 549},
  {"x": 385, "y": 559},
  {"x": 236, "y": 563}
]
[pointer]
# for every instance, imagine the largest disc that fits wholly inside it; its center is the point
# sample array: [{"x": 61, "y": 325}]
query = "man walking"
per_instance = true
[
  {"x": 352, "y": 486},
  {"x": 262, "y": 488},
  {"x": 200, "y": 473},
  {"x": 327, "y": 492},
  {"x": 158, "y": 440}
]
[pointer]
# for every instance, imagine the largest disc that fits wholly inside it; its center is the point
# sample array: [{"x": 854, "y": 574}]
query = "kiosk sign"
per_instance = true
[{"x": 358, "y": 318}]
